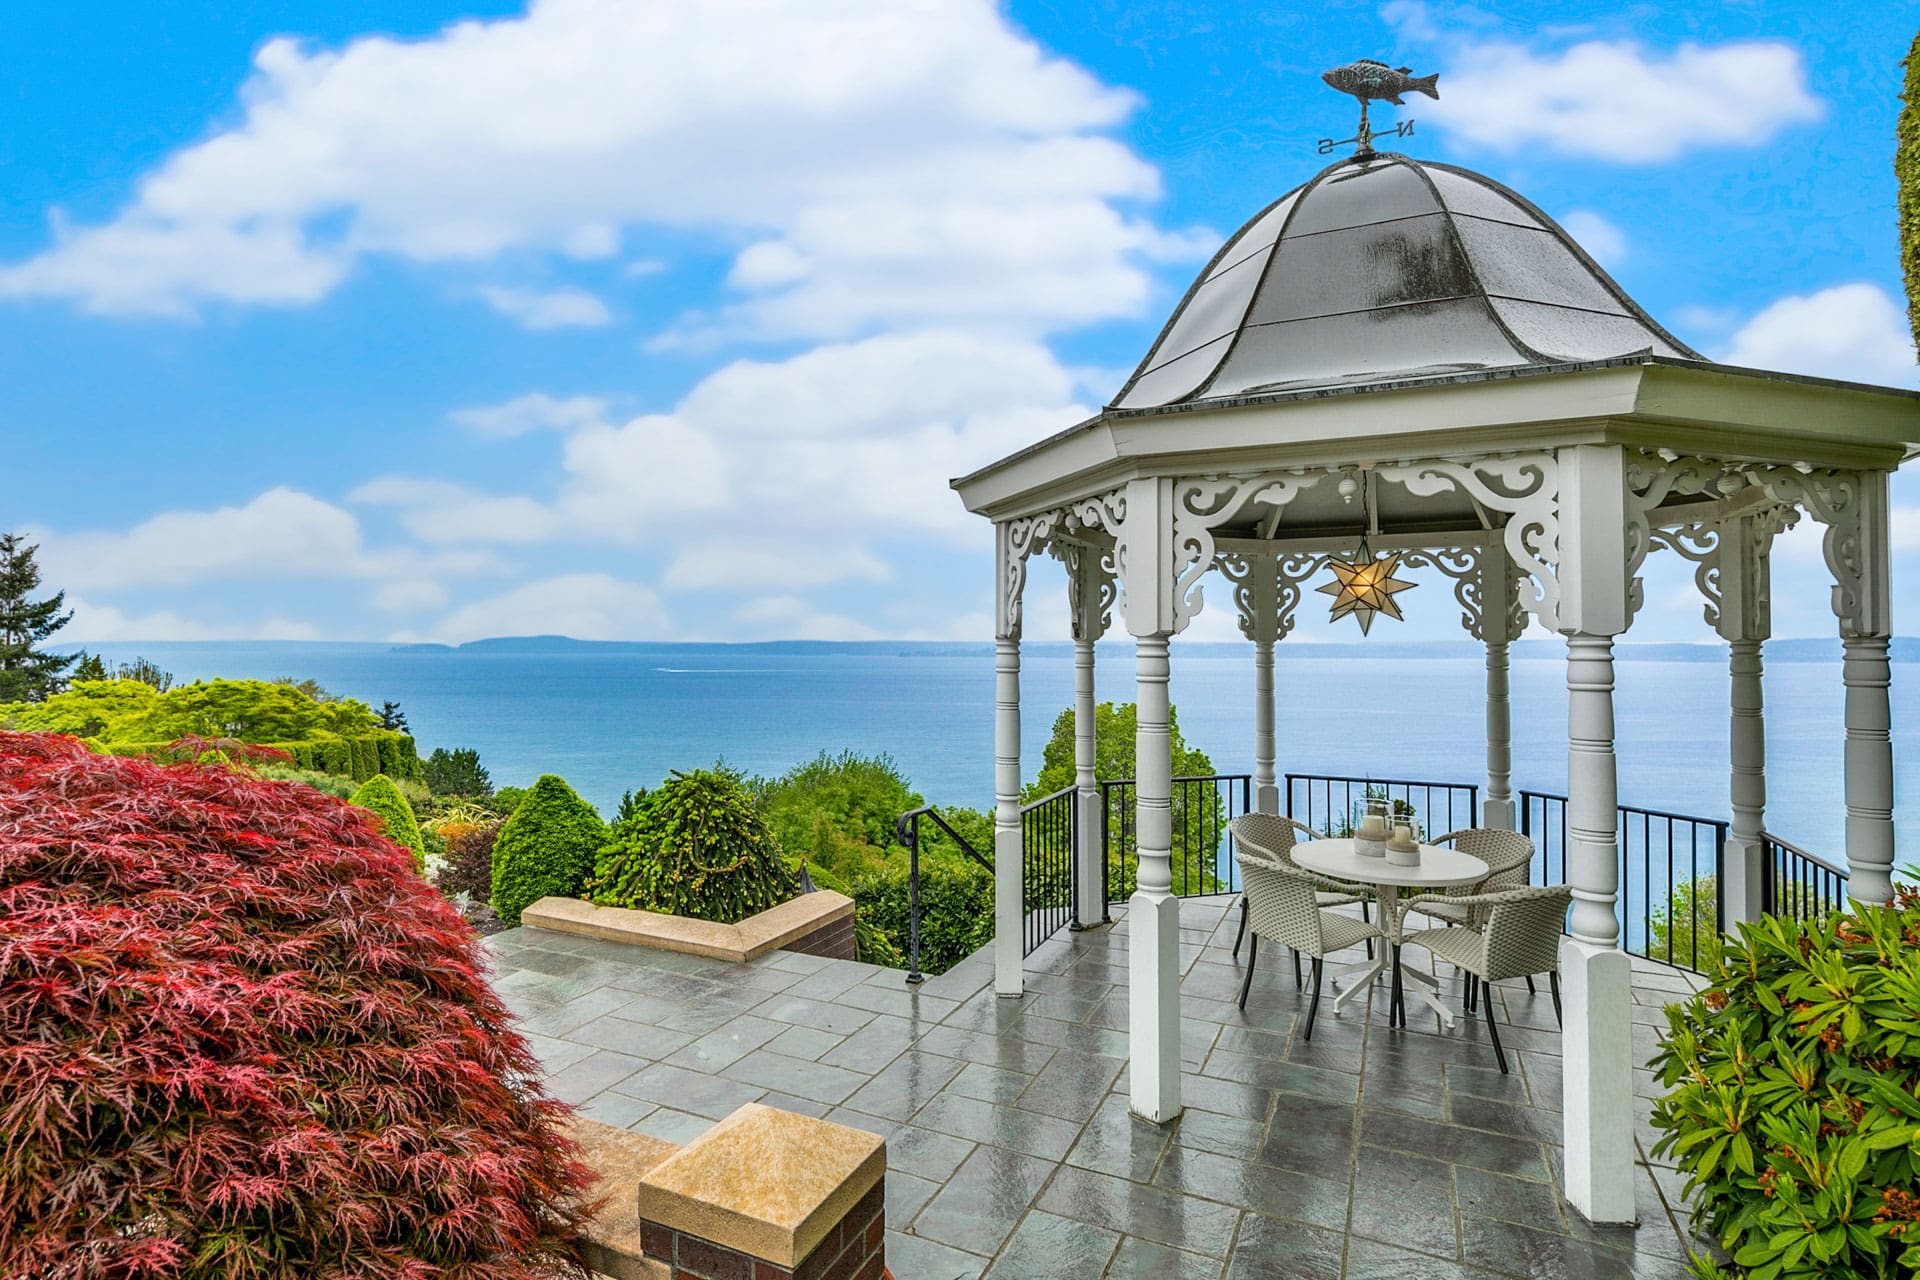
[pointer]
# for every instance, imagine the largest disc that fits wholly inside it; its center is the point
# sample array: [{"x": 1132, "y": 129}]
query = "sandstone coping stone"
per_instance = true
[
  {"x": 764, "y": 1182},
  {"x": 770, "y": 930},
  {"x": 621, "y": 1158}
]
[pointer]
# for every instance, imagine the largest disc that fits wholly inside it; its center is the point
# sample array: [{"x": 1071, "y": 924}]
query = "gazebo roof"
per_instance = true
[{"x": 1384, "y": 267}]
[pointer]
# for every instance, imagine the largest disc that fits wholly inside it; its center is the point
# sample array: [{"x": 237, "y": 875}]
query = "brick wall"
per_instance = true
[
  {"x": 834, "y": 939},
  {"x": 854, "y": 1250}
]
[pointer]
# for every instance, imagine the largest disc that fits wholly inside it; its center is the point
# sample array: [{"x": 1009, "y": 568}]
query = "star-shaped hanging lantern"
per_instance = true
[{"x": 1365, "y": 586}]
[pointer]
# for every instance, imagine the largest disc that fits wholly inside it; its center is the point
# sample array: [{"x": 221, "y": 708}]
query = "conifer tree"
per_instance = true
[
  {"x": 1906, "y": 167},
  {"x": 26, "y": 673}
]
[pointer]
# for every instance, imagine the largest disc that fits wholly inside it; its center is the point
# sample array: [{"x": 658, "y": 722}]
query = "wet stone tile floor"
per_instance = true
[{"x": 1369, "y": 1152}]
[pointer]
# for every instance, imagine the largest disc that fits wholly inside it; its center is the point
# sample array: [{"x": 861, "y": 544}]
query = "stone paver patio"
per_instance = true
[{"x": 1369, "y": 1152}]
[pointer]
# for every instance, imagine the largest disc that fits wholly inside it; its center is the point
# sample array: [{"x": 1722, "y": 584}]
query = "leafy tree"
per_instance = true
[
  {"x": 546, "y": 849},
  {"x": 146, "y": 673},
  {"x": 456, "y": 773},
  {"x": 128, "y": 717},
  {"x": 392, "y": 717},
  {"x": 838, "y": 812},
  {"x": 1199, "y": 816},
  {"x": 698, "y": 847},
  {"x": 1906, "y": 167},
  {"x": 307, "y": 687},
  {"x": 379, "y": 796},
  {"x": 27, "y": 674}
]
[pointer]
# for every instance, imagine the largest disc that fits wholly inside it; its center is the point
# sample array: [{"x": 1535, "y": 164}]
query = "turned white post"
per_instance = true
[
  {"x": 1864, "y": 635},
  {"x": 1598, "y": 1101},
  {"x": 1496, "y": 626},
  {"x": 1266, "y": 786},
  {"x": 1741, "y": 873},
  {"x": 1009, "y": 864},
  {"x": 1153, "y": 913},
  {"x": 1090, "y": 904},
  {"x": 1746, "y": 620}
]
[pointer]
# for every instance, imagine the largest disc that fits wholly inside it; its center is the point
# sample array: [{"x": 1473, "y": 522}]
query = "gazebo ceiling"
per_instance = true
[{"x": 1383, "y": 267}]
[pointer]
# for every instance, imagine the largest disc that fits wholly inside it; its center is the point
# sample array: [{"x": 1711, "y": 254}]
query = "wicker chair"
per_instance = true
[
  {"x": 1284, "y": 907},
  {"x": 1509, "y": 859},
  {"x": 1272, "y": 837},
  {"x": 1519, "y": 936}
]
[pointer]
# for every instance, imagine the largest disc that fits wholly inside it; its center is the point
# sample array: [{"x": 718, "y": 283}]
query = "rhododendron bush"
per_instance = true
[{"x": 240, "y": 1037}]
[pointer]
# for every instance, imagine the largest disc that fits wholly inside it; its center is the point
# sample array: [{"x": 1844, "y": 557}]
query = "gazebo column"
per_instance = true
[
  {"x": 1266, "y": 783},
  {"x": 1009, "y": 864},
  {"x": 1498, "y": 627},
  {"x": 1090, "y": 595},
  {"x": 1745, "y": 622},
  {"x": 1153, "y": 913},
  {"x": 1865, "y": 631},
  {"x": 1593, "y": 585}
]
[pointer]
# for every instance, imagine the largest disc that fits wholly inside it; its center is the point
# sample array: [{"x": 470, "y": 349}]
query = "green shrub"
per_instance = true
[
  {"x": 325, "y": 783},
  {"x": 546, "y": 848},
  {"x": 456, "y": 773},
  {"x": 379, "y": 796},
  {"x": 698, "y": 847},
  {"x": 872, "y": 945},
  {"x": 838, "y": 811},
  {"x": 1792, "y": 1105},
  {"x": 956, "y": 909}
]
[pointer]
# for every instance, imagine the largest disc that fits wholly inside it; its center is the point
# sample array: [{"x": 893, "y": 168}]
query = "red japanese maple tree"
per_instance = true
[{"x": 240, "y": 1037}]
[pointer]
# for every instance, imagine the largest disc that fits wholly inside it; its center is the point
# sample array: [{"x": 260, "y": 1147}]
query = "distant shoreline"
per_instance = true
[{"x": 1904, "y": 648}]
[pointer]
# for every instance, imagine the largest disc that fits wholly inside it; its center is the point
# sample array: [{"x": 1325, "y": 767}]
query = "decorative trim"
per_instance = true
[
  {"x": 1020, "y": 538},
  {"x": 1700, "y": 544},
  {"x": 1523, "y": 486},
  {"x": 1462, "y": 564},
  {"x": 1092, "y": 587},
  {"x": 1200, "y": 507}
]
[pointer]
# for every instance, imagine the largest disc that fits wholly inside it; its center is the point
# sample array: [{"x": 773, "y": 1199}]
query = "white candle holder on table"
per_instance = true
[
  {"x": 1370, "y": 837},
  {"x": 1403, "y": 846}
]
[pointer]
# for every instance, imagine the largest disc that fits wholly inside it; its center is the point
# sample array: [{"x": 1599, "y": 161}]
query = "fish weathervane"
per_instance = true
[{"x": 1372, "y": 81}]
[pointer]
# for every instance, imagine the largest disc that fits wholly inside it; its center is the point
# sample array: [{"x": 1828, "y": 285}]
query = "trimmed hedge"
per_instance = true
[
  {"x": 698, "y": 847},
  {"x": 379, "y": 796},
  {"x": 546, "y": 849}
]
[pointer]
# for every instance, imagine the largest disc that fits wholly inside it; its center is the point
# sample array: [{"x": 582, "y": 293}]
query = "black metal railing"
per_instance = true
[
  {"x": 1334, "y": 805},
  {"x": 1204, "y": 807},
  {"x": 1796, "y": 883},
  {"x": 907, "y": 825},
  {"x": 1047, "y": 829},
  {"x": 1668, "y": 902}
]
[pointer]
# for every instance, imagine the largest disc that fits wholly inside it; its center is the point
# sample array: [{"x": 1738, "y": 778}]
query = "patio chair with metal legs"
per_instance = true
[
  {"x": 1284, "y": 908},
  {"x": 1519, "y": 936},
  {"x": 1272, "y": 836},
  {"x": 1509, "y": 859}
]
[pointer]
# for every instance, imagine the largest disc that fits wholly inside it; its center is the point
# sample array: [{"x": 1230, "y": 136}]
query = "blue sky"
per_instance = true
[{"x": 671, "y": 321}]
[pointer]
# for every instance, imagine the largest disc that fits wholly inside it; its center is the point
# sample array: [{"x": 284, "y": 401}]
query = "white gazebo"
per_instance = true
[{"x": 1414, "y": 352}]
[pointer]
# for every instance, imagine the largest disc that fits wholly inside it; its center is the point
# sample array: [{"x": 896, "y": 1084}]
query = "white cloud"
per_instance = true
[
  {"x": 1598, "y": 236},
  {"x": 551, "y": 309},
  {"x": 97, "y": 623},
  {"x": 710, "y": 566},
  {"x": 586, "y": 606},
  {"x": 436, "y": 511},
  {"x": 913, "y": 163},
  {"x": 535, "y": 411},
  {"x": 1616, "y": 100},
  {"x": 1855, "y": 332},
  {"x": 281, "y": 535},
  {"x": 792, "y": 618}
]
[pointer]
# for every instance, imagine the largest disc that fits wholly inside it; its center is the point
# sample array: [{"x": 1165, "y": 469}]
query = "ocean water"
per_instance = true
[{"x": 612, "y": 717}]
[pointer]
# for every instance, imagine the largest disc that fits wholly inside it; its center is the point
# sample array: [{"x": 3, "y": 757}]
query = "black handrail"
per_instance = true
[
  {"x": 1464, "y": 814},
  {"x": 1814, "y": 885},
  {"x": 1205, "y": 805},
  {"x": 1543, "y": 816},
  {"x": 907, "y": 826}
]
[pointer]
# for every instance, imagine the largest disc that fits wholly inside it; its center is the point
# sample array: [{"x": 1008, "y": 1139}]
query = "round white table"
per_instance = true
[{"x": 1439, "y": 868}]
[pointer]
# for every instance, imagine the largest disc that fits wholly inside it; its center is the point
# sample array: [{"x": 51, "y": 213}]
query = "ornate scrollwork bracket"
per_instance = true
[
  {"x": 1017, "y": 540},
  {"x": 1525, "y": 487},
  {"x": 1200, "y": 507}
]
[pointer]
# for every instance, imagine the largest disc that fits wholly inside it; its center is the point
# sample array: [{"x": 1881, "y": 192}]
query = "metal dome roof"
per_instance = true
[{"x": 1384, "y": 267}]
